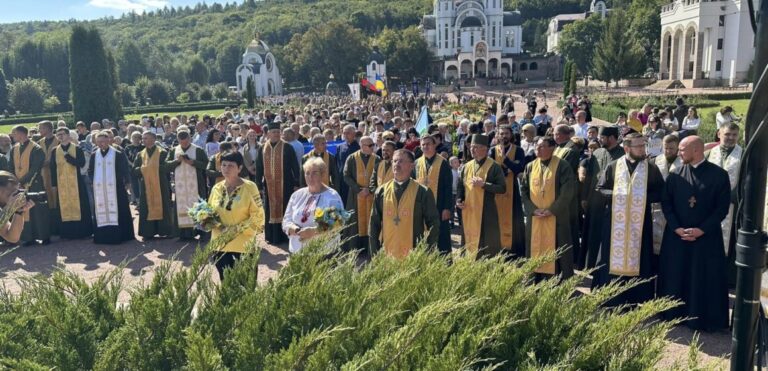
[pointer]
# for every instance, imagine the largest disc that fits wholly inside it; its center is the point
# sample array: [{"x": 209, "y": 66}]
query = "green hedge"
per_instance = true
[{"x": 327, "y": 313}]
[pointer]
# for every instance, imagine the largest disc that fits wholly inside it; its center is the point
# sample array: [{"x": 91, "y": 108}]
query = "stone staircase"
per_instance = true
[{"x": 666, "y": 84}]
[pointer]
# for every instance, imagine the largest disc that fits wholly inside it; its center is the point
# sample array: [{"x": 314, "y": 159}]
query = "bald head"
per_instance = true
[{"x": 691, "y": 150}]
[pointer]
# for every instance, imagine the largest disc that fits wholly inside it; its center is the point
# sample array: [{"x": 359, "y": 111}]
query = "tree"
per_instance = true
[
  {"x": 228, "y": 58},
  {"x": 407, "y": 53},
  {"x": 567, "y": 79},
  {"x": 93, "y": 90},
  {"x": 3, "y": 92},
  {"x": 28, "y": 95},
  {"x": 250, "y": 94},
  {"x": 205, "y": 94},
  {"x": 220, "y": 91},
  {"x": 196, "y": 71},
  {"x": 646, "y": 30},
  {"x": 159, "y": 91},
  {"x": 572, "y": 80},
  {"x": 578, "y": 39},
  {"x": 330, "y": 48},
  {"x": 131, "y": 63},
  {"x": 617, "y": 56}
]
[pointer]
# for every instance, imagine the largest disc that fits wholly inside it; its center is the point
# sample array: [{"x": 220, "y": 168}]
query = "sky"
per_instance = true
[{"x": 56, "y": 10}]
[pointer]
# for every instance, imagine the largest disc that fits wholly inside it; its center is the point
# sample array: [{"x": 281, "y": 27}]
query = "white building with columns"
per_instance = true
[
  {"x": 473, "y": 38},
  {"x": 259, "y": 64},
  {"x": 706, "y": 43}
]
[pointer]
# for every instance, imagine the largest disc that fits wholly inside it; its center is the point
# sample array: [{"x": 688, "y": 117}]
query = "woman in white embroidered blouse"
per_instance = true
[
  {"x": 299, "y": 218},
  {"x": 691, "y": 123}
]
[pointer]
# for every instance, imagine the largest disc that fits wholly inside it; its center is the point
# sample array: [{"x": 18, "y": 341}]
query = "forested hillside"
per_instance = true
[{"x": 191, "y": 49}]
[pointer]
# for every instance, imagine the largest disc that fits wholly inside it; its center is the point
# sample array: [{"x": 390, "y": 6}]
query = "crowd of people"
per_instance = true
[{"x": 644, "y": 198}]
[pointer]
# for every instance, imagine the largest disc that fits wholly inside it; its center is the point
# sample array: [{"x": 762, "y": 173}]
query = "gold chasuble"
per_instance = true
[
  {"x": 473, "y": 205},
  {"x": 543, "y": 229},
  {"x": 21, "y": 164},
  {"x": 397, "y": 229},
  {"x": 150, "y": 171},
  {"x": 505, "y": 200},
  {"x": 628, "y": 214},
  {"x": 384, "y": 176},
  {"x": 364, "y": 203},
  {"x": 273, "y": 174},
  {"x": 66, "y": 178},
  {"x": 429, "y": 178},
  {"x": 46, "y": 172},
  {"x": 327, "y": 160}
]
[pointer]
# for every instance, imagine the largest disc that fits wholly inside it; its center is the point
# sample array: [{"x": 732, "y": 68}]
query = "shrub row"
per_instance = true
[{"x": 324, "y": 313}]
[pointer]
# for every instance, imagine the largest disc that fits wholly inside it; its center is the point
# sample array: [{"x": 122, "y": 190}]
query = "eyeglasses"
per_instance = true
[{"x": 368, "y": 145}]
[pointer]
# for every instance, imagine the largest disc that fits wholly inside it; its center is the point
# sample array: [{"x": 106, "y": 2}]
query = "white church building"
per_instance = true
[
  {"x": 259, "y": 64},
  {"x": 473, "y": 38},
  {"x": 557, "y": 23},
  {"x": 706, "y": 43}
]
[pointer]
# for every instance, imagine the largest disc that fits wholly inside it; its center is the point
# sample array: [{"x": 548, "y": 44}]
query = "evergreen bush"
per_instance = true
[{"x": 328, "y": 313}]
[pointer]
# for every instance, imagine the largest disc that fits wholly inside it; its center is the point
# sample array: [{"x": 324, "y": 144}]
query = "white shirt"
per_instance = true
[
  {"x": 301, "y": 211},
  {"x": 696, "y": 165},
  {"x": 691, "y": 124},
  {"x": 581, "y": 129}
]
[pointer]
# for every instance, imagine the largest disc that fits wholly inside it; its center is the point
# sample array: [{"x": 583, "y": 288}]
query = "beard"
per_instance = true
[{"x": 637, "y": 157}]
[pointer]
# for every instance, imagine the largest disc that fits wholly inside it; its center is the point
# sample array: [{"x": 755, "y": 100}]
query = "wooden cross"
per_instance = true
[
  {"x": 397, "y": 219},
  {"x": 692, "y": 202}
]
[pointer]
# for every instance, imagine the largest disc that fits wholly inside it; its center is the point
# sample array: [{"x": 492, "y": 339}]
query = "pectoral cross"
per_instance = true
[
  {"x": 396, "y": 220},
  {"x": 692, "y": 202}
]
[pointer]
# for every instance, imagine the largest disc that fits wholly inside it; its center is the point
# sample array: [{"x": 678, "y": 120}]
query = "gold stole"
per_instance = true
[
  {"x": 273, "y": 174},
  {"x": 505, "y": 200},
  {"x": 473, "y": 201},
  {"x": 560, "y": 151},
  {"x": 397, "y": 229},
  {"x": 384, "y": 176},
  {"x": 46, "y": 172},
  {"x": 627, "y": 216},
  {"x": 21, "y": 164},
  {"x": 327, "y": 160},
  {"x": 731, "y": 165},
  {"x": 364, "y": 203},
  {"x": 66, "y": 178},
  {"x": 217, "y": 166},
  {"x": 429, "y": 178},
  {"x": 543, "y": 229},
  {"x": 150, "y": 171}
]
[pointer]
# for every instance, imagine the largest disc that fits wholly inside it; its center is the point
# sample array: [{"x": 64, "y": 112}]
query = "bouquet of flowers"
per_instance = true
[
  {"x": 330, "y": 217},
  {"x": 204, "y": 216}
]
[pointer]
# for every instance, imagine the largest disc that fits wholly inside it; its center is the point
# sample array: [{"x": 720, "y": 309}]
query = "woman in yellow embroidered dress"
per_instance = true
[{"x": 238, "y": 204}]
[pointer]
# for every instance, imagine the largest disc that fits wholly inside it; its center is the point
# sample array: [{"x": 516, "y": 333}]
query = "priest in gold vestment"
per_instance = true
[{"x": 156, "y": 212}]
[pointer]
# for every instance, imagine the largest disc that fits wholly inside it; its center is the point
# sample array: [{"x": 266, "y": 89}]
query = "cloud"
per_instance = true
[{"x": 128, "y": 5}]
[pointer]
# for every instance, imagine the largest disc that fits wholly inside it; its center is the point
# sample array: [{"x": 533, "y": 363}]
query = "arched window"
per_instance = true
[
  {"x": 523, "y": 66},
  {"x": 510, "y": 39},
  {"x": 534, "y": 66}
]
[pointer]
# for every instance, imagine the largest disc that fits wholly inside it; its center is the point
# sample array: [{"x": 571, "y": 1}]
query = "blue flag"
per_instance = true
[
  {"x": 423, "y": 121},
  {"x": 330, "y": 147}
]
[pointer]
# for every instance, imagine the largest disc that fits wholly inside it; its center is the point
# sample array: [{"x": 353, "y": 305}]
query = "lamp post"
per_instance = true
[{"x": 750, "y": 249}]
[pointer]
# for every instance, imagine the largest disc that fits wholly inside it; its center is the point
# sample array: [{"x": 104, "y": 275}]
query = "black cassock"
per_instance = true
[
  {"x": 695, "y": 272},
  {"x": 116, "y": 234},
  {"x": 602, "y": 276}
]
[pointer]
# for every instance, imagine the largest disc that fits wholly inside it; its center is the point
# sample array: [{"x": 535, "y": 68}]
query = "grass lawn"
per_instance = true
[{"x": 708, "y": 126}]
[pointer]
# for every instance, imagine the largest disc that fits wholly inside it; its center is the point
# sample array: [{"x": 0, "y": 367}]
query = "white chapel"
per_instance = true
[{"x": 259, "y": 64}]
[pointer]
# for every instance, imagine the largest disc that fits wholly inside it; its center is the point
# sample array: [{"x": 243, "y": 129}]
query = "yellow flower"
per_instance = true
[
  {"x": 202, "y": 215},
  {"x": 319, "y": 213}
]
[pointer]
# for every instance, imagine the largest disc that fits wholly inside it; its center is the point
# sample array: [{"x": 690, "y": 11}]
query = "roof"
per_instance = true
[
  {"x": 471, "y": 22},
  {"x": 376, "y": 56},
  {"x": 428, "y": 22},
  {"x": 258, "y": 47},
  {"x": 513, "y": 18},
  {"x": 566, "y": 19}
]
